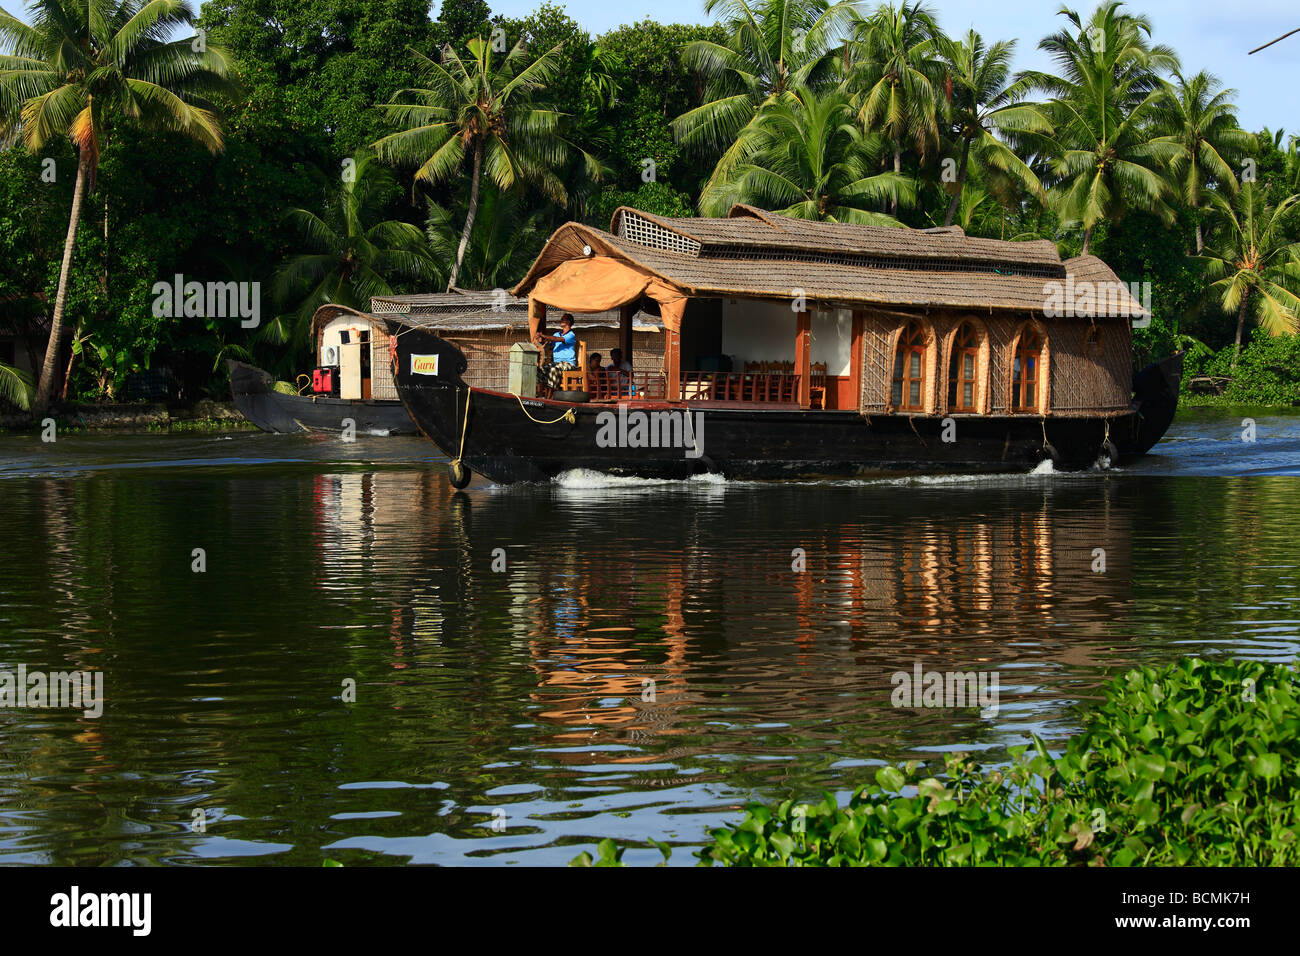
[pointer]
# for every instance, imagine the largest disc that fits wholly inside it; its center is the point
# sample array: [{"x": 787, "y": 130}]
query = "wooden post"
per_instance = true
[
  {"x": 625, "y": 330},
  {"x": 802, "y": 357},
  {"x": 672, "y": 364},
  {"x": 855, "y": 358}
]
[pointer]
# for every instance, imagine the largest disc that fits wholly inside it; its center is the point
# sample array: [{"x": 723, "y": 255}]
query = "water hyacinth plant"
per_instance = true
[{"x": 1194, "y": 764}]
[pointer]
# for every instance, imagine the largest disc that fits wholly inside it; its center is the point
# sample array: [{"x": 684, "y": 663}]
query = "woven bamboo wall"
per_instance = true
[
  {"x": 488, "y": 351},
  {"x": 381, "y": 366},
  {"x": 1084, "y": 378}
]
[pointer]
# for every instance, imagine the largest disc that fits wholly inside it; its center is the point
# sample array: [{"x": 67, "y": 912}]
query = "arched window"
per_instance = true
[
  {"x": 1025, "y": 372},
  {"x": 1092, "y": 343},
  {"x": 909, "y": 369},
  {"x": 963, "y": 393}
]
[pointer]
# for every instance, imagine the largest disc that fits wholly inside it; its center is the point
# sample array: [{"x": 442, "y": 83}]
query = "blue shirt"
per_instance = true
[{"x": 567, "y": 350}]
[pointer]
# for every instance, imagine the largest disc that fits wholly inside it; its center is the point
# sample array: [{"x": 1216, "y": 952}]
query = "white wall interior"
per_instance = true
[
  {"x": 755, "y": 331},
  {"x": 832, "y": 341},
  {"x": 330, "y": 334}
]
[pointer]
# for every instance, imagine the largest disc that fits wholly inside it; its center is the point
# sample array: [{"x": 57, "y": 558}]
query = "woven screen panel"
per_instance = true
[
  {"x": 878, "y": 365},
  {"x": 1090, "y": 378},
  {"x": 1001, "y": 335},
  {"x": 643, "y": 232}
]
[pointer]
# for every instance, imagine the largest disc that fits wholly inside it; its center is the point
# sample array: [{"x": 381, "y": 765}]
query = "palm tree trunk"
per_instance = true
[
  {"x": 961, "y": 182},
  {"x": 1087, "y": 239},
  {"x": 898, "y": 168},
  {"x": 1200, "y": 242},
  {"x": 469, "y": 217},
  {"x": 103, "y": 288},
  {"x": 46, "y": 388},
  {"x": 1241, "y": 325}
]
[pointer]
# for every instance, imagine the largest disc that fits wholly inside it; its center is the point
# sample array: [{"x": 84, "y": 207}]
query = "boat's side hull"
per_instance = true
[
  {"x": 272, "y": 411},
  {"x": 507, "y": 440}
]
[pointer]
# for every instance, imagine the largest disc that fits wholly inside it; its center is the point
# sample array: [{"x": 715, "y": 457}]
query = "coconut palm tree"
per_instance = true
[
  {"x": 896, "y": 68},
  {"x": 1103, "y": 160},
  {"x": 504, "y": 244},
  {"x": 1253, "y": 265},
  {"x": 1197, "y": 114},
  {"x": 809, "y": 159},
  {"x": 348, "y": 256},
  {"x": 82, "y": 67},
  {"x": 982, "y": 103},
  {"x": 772, "y": 45},
  {"x": 482, "y": 107}
]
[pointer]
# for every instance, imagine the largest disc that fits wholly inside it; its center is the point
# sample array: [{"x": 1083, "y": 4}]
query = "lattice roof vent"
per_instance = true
[{"x": 646, "y": 233}]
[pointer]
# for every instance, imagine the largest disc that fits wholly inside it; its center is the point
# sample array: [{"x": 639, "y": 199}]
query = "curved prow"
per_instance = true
[
  {"x": 422, "y": 358},
  {"x": 1155, "y": 396},
  {"x": 253, "y": 391}
]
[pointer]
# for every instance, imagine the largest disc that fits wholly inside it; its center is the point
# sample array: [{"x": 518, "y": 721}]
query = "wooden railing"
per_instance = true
[
  {"x": 777, "y": 388},
  {"x": 609, "y": 384}
]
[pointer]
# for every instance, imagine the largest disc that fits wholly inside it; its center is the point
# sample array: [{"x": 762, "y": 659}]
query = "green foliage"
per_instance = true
[
  {"x": 319, "y": 68},
  {"x": 463, "y": 20},
  {"x": 608, "y": 853},
  {"x": 348, "y": 253},
  {"x": 1267, "y": 371},
  {"x": 770, "y": 46},
  {"x": 15, "y": 387},
  {"x": 312, "y": 78},
  {"x": 653, "y": 86},
  {"x": 807, "y": 159},
  {"x": 1193, "y": 764},
  {"x": 656, "y": 197},
  {"x": 1104, "y": 162},
  {"x": 506, "y": 239}
]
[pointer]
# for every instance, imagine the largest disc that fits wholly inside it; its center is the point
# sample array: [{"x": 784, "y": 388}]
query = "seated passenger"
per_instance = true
[
  {"x": 564, "y": 353},
  {"x": 617, "y": 363},
  {"x": 623, "y": 370},
  {"x": 595, "y": 380}
]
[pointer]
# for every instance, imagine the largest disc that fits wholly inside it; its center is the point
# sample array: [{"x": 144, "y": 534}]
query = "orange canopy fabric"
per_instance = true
[{"x": 600, "y": 283}]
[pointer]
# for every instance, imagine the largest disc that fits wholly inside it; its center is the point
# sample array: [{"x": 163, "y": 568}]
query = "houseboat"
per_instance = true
[
  {"x": 799, "y": 349},
  {"x": 353, "y": 381}
]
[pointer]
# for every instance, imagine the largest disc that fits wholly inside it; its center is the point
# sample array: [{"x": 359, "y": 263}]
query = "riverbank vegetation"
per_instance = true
[
  {"x": 1194, "y": 764},
  {"x": 325, "y": 152}
]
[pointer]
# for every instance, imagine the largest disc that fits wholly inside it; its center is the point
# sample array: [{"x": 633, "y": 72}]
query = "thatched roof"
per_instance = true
[
  {"x": 464, "y": 310},
  {"x": 757, "y": 254}
]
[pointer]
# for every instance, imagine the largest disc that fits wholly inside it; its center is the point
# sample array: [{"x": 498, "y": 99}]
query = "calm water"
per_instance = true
[{"x": 539, "y": 667}]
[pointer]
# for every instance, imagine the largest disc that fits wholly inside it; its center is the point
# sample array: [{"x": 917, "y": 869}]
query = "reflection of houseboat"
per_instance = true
[
  {"x": 852, "y": 350},
  {"x": 353, "y": 378}
]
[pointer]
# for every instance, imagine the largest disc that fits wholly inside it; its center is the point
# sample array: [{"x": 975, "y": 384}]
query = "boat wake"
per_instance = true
[{"x": 585, "y": 479}]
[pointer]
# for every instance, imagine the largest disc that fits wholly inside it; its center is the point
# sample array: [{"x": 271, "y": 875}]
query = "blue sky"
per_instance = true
[{"x": 1215, "y": 36}]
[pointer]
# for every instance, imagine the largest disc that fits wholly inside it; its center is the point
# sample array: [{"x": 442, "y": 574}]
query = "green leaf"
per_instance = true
[
  {"x": 1268, "y": 766},
  {"x": 889, "y": 778}
]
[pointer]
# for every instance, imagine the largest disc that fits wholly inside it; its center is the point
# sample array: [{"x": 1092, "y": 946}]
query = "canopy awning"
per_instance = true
[{"x": 600, "y": 283}]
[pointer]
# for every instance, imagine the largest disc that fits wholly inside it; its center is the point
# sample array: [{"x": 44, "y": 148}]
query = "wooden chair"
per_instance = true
[
  {"x": 697, "y": 388},
  {"x": 575, "y": 380},
  {"x": 817, "y": 386}
]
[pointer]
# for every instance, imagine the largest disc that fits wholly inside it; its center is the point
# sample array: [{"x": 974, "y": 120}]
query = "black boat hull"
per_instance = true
[
  {"x": 507, "y": 439},
  {"x": 255, "y": 397}
]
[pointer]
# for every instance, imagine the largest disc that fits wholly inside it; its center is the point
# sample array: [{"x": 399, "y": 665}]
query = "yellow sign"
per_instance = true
[{"x": 424, "y": 365}]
